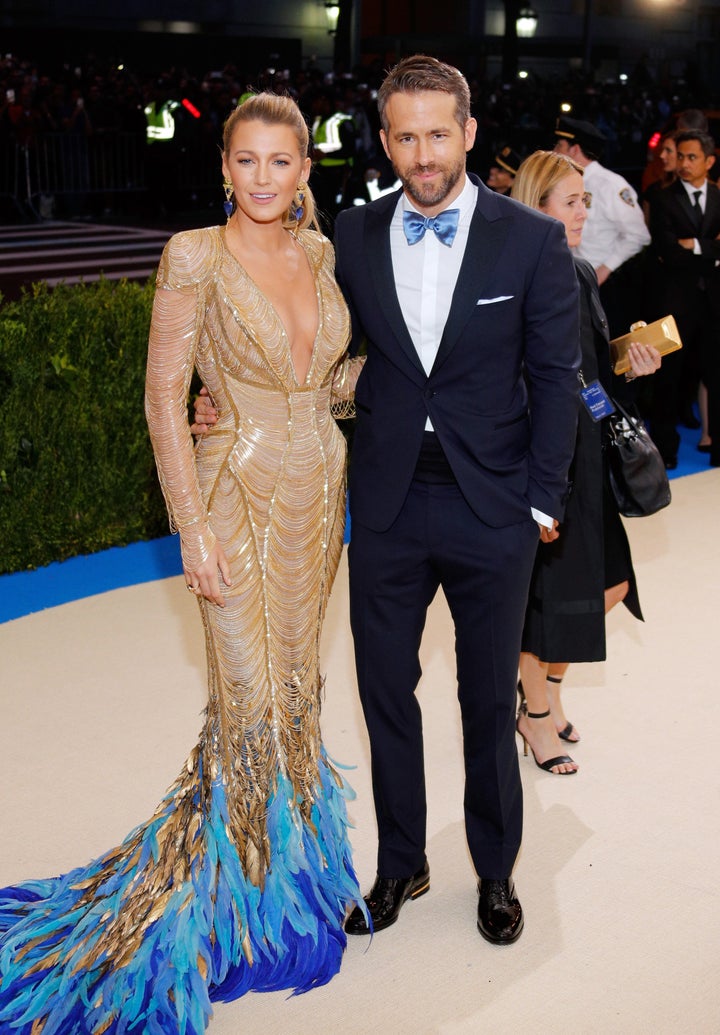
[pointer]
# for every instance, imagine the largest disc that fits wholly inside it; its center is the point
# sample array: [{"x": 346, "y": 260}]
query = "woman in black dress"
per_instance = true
[{"x": 584, "y": 567}]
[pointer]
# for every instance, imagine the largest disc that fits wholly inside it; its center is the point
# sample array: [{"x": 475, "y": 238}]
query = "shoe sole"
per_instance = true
[{"x": 420, "y": 891}]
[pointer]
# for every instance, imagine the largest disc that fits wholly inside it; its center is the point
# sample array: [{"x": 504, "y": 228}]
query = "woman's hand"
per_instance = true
[
  {"x": 644, "y": 360},
  {"x": 205, "y": 412},
  {"x": 204, "y": 580}
]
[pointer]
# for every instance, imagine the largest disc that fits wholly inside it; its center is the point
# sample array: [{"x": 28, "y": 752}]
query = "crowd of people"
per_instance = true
[
  {"x": 92, "y": 97},
  {"x": 467, "y": 327}
]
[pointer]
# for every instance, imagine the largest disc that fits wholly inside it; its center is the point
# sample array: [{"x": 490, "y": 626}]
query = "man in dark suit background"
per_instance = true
[
  {"x": 468, "y": 305},
  {"x": 685, "y": 229}
]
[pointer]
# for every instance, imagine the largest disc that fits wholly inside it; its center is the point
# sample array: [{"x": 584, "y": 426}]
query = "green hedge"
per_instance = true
[{"x": 76, "y": 467}]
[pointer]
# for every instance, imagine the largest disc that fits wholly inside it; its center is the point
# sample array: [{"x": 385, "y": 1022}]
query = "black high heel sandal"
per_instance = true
[
  {"x": 566, "y": 733},
  {"x": 548, "y": 765}
]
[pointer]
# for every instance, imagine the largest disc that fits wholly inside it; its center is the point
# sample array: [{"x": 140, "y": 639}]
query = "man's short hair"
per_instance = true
[
  {"x": 704, "y": 139},
  {"x": 420, "y": 73}
]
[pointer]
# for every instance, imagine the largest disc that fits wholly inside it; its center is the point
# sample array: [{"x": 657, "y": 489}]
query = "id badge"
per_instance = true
[{"x": 597, "y": 401}]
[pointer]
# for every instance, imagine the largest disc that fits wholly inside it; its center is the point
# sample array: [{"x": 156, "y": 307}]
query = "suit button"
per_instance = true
[{"x": 428, "y": 393}]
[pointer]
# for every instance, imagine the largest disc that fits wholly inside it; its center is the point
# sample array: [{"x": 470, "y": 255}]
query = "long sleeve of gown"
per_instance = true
[
  {"x": 173, "y": 335},
  {"x": 342, "y": 398}
]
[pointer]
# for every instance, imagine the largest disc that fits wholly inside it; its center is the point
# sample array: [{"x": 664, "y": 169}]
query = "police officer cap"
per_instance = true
[
  {"x": 508, "y": 160},
  {"x": 577, "y": 131}
]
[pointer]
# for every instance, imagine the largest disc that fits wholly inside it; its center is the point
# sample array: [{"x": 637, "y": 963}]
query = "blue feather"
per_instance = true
[{"x": 294, "y": 926}]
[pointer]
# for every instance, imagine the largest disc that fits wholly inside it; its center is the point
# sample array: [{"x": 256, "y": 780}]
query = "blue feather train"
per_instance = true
[{"x": 130, "y": 944}]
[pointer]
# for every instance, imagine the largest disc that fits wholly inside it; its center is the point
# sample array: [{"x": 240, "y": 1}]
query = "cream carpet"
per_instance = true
[{"x": 101, "y": 703}]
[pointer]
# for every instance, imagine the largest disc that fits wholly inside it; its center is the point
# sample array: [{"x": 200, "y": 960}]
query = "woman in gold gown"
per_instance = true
[{"x": 242, "y": 878}]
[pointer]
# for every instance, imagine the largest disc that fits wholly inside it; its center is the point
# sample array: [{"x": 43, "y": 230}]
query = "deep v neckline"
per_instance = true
[{"x": 276, "y": 314}]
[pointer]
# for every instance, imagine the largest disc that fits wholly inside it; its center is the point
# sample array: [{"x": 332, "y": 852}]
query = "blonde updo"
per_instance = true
[{"x": 276, "y": 110}]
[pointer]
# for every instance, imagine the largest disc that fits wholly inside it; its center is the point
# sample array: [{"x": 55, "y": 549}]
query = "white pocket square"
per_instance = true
[{"x": 489, "y": 301}]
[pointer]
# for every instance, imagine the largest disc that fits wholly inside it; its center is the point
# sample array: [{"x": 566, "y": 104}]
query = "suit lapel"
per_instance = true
[
  {"x": 711, "y": 216},
  {"x": 377, "y": 231},
  {"x": 488, "y": 231}
]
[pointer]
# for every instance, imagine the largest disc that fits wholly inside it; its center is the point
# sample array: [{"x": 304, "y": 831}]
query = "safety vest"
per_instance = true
[
  {"x": 160, "y": 123},
  {"x": 326, "y": 138}
]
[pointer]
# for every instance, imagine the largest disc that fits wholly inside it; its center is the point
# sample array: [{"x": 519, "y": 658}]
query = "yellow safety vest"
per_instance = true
[
  {"x": 160, "y": 123},
  {"x": 326, "y": 138}
]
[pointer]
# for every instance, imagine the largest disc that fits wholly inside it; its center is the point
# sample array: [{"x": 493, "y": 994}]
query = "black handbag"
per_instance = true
[{"x": 638, "y": 477}]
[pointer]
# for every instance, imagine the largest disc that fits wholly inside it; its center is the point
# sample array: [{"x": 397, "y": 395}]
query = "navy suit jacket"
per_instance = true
[{"x": 503, "y": 392}]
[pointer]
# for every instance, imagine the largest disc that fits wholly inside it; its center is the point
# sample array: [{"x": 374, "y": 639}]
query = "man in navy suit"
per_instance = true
[
  {"x": 685, "y": 228},
  {"x": 466, "y": 416}
]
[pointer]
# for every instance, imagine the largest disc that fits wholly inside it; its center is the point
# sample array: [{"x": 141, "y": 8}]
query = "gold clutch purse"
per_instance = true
[{"x": 663, "y": 334}]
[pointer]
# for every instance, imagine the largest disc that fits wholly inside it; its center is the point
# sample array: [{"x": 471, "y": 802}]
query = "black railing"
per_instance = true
[{"x": 69, "y": 166}]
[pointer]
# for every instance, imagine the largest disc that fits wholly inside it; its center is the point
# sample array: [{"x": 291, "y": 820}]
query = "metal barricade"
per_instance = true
[
  {"x": 67, "y": 166},
  {"x": 69, "y": 163},
  {"x": 10, "y": 165}
]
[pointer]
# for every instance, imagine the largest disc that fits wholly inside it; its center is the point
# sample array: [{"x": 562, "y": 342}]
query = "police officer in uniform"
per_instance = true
[
  {"x": 615, "y": 233},
  {"x": 161, "y": 163},
  {"x": 503, "y": 170}
]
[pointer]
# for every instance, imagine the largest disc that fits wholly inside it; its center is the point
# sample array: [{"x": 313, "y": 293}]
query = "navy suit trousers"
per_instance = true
[{"x": 438, "y": 541}]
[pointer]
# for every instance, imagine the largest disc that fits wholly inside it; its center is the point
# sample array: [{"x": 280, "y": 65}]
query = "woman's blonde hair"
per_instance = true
[
  {"x": 276, "y": 110},
  {"x": 539, "y": 174}
]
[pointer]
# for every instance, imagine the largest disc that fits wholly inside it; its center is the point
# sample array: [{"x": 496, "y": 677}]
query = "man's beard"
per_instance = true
[{"x": 428, "y": 195}]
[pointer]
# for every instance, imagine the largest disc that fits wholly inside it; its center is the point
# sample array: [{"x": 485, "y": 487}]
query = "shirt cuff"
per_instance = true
[
  {"x": 697, "y": 250},
  {"x": 542, "y": 519}
]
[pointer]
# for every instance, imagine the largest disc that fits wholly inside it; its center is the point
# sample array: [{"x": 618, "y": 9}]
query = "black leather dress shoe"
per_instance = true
[
  {"x": 386, "y": 899},
  {"x": 500, "y": 915}
]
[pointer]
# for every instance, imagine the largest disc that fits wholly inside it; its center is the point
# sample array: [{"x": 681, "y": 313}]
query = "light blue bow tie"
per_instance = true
[{"x": 445, "y": 226}]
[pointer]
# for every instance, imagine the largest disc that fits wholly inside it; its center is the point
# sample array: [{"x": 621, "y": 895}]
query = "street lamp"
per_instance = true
[
  {"x": 526, "y": 23},
  {"x": 332, "y": 13}
]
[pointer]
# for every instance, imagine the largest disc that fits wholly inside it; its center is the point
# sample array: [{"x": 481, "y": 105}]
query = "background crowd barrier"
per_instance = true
[
  {"x": 57, "y": 171},
  {"x": 10, "y": 164}
]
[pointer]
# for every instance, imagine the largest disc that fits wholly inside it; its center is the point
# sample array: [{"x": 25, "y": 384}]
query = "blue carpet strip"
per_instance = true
[{"x": 22, "y": 593}]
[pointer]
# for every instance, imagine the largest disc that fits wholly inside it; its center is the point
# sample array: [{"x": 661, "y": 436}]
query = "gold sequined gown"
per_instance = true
[{"x": 241, "y": 879}]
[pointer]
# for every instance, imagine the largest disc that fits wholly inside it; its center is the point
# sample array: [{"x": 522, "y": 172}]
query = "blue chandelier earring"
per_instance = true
[
  {"x": 229, "y": 191},
  {"x": 299, "y": 210}
]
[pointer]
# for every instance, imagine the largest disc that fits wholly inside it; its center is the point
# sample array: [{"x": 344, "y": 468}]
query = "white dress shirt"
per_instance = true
[
  {"x": 426, "y": 274},
  {"x": 425, "y": 277}
]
